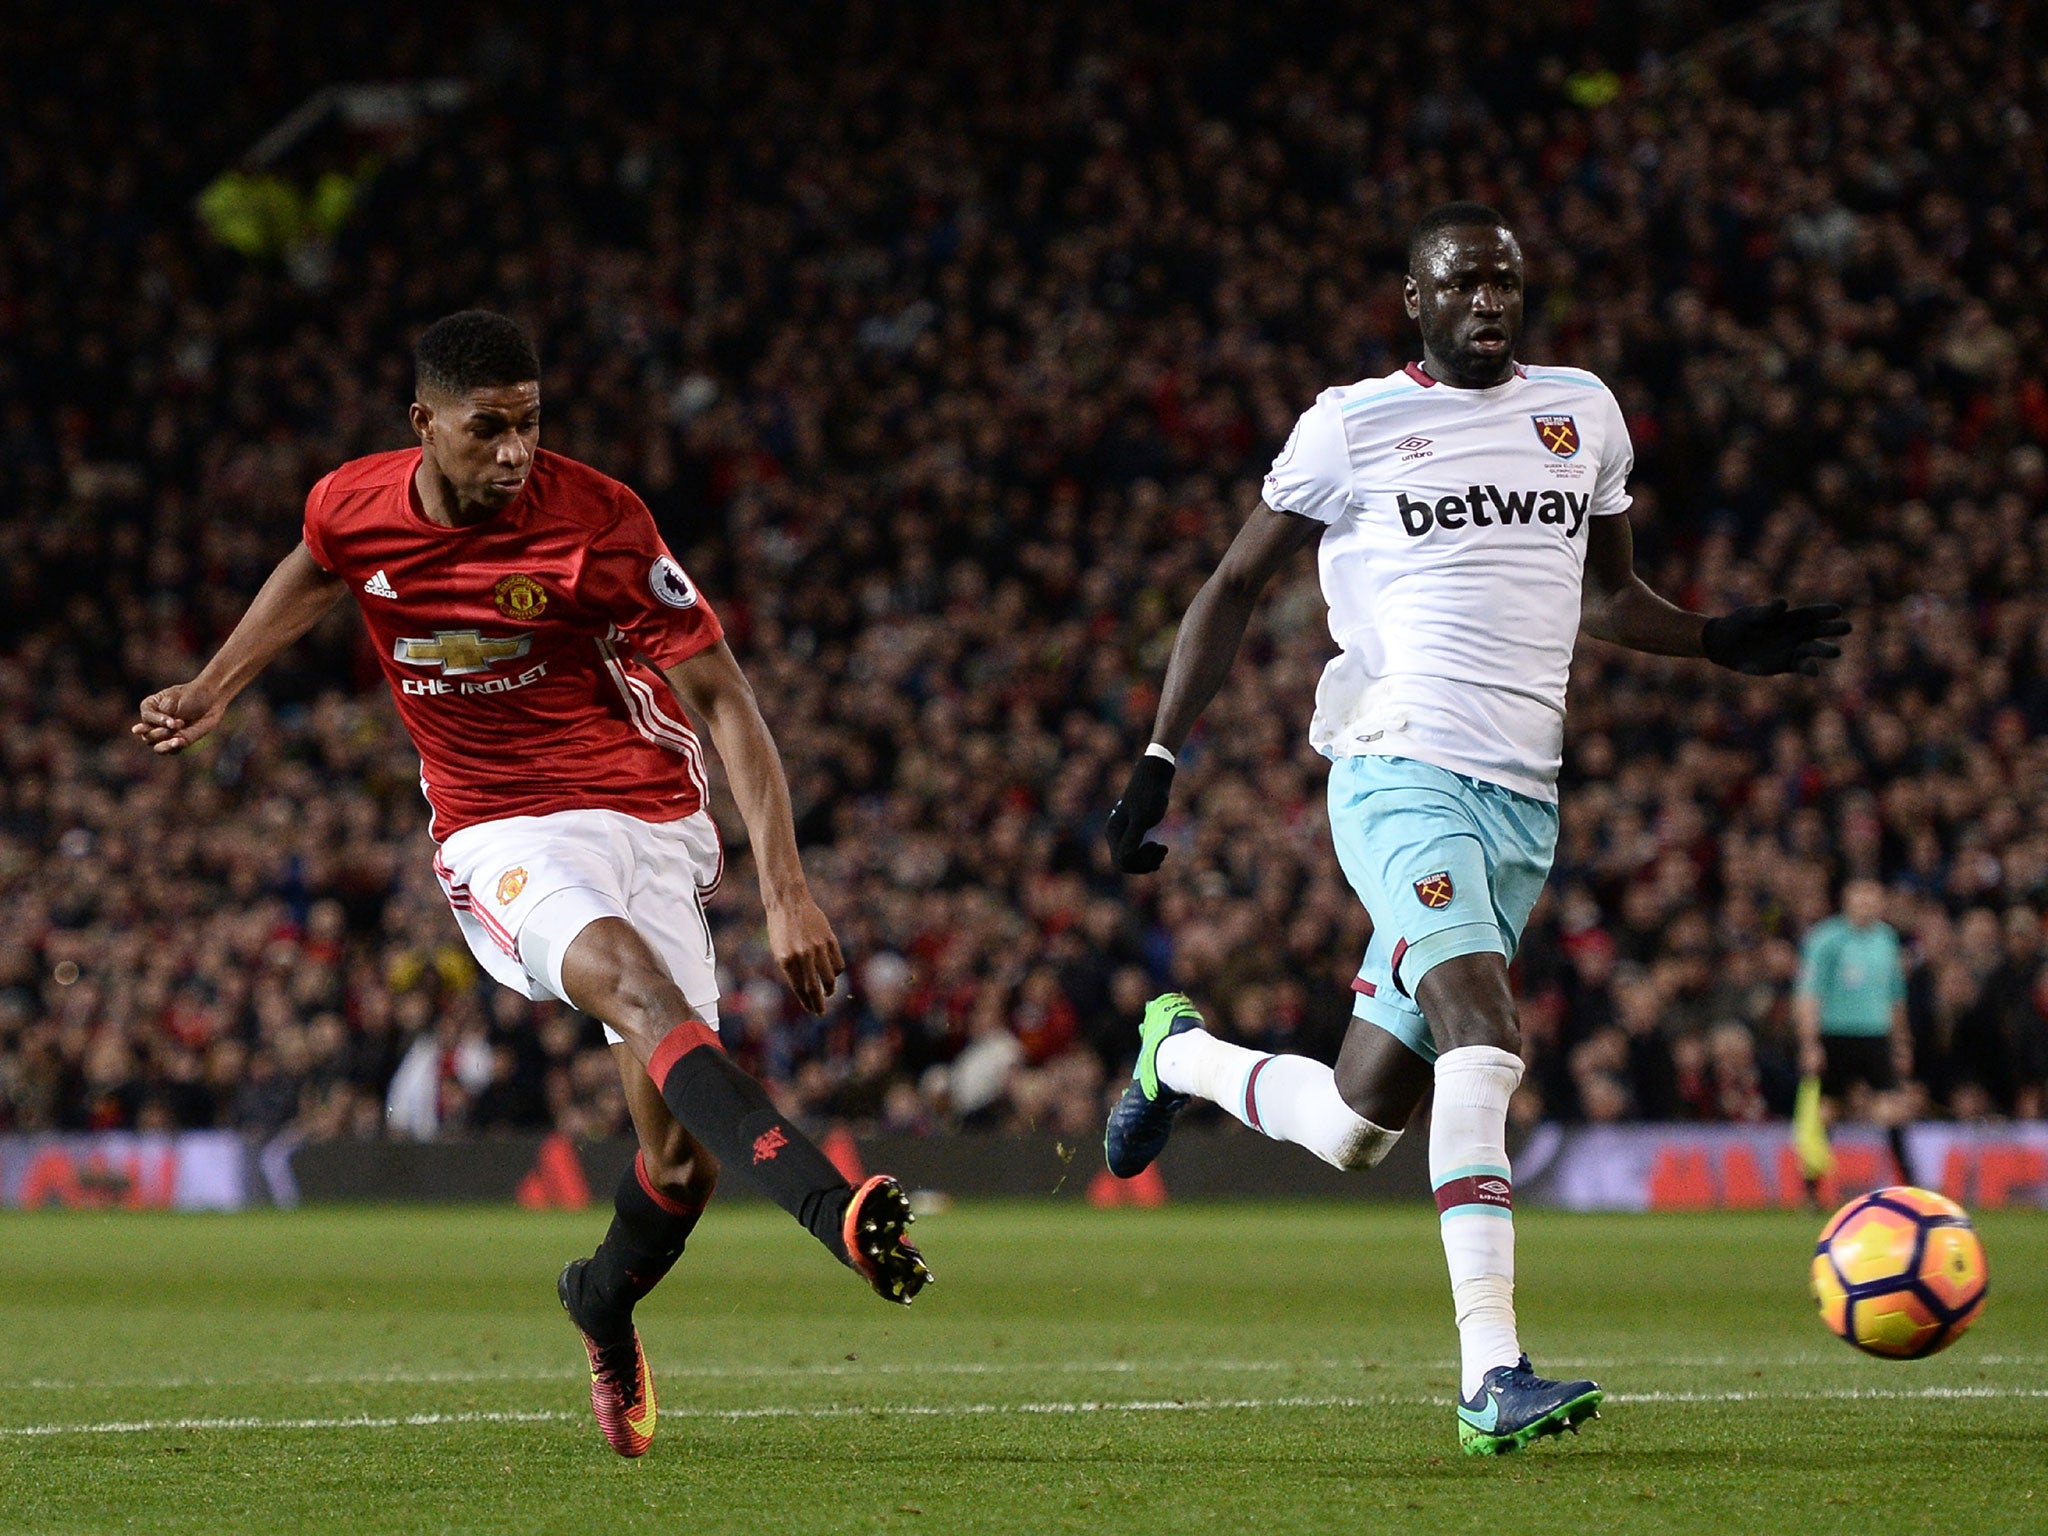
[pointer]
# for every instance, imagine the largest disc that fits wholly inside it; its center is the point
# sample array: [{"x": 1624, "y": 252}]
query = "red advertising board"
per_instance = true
[
  {"x": 1754, "y": 1167},
  {"x": 194, "y": 1171}
]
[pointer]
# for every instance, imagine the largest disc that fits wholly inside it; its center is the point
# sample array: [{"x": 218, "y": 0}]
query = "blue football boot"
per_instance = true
[
  {"x": 1143, "y": 1117},
  {"x": 1514, "y": 1406}
]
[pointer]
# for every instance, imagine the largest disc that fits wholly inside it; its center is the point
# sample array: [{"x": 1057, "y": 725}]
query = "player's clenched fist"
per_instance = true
[
  {"x": 801, "y": 939},
  {"x": 1141, "y": 809},
  {"x": 175, "y": 717}
]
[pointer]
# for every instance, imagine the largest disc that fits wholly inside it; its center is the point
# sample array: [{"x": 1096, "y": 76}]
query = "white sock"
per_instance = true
[
  {"x": 1289, "y": 1098},
  {"x": 1468, "y": 1168}
]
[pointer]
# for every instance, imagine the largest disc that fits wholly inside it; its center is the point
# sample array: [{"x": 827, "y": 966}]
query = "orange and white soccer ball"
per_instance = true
[{"x": 1899, "y": 1273}]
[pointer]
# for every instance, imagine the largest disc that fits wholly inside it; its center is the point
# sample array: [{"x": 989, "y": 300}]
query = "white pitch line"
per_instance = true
[
  {"x": 1826, "y": 1357},
  {"x": 768, "y": 1411},
  {"x": 836, "y": 1369},
  {"x": 979, "y": 1410},
  {"x": 355, "y": 1421},
  {"x": 725, "y": 1372},
  {"x": 1832, "y": 1395},
  {"x": 380, "y": 1378}
]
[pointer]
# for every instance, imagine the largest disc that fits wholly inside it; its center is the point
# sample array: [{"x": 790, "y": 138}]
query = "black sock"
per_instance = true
[
  {"x": 1896, "y": 1135},
  {"x": 731, "y": 1114},
  {"x": 646, "y": 1238}
]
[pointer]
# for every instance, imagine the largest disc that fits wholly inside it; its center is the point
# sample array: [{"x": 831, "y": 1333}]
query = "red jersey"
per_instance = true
[{"x": 523, "y": 651}]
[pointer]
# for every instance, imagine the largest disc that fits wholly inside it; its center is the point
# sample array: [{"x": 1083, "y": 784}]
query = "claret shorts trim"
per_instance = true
[
  {"x": 523, "y": 887},
  {"x": 1446, "y": 865}
]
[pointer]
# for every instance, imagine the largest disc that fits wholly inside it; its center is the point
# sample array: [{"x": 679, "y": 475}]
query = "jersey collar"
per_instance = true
[{"x": 1421, "y": 376}]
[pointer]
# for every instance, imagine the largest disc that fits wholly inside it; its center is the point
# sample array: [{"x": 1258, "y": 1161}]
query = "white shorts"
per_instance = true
[{"x": 524, "y": 887}]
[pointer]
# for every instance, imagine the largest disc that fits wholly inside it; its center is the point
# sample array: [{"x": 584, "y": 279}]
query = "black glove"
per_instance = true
[
  {"x": 1767, "y": 638},
  {"x": 1142, "y": 808}
]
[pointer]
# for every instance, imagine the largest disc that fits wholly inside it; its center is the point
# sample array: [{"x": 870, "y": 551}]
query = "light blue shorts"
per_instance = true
[{"x": 1446, "y": 865}]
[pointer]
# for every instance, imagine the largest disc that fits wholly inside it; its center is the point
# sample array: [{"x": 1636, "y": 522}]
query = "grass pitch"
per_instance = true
[{"x": 1238, "y": 1367}]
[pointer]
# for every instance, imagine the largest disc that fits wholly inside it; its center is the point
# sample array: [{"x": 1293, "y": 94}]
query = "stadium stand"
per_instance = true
[{"x": 948, "y": 348}]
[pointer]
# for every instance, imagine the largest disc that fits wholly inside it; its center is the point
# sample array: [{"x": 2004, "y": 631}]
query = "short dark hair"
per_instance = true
[
  {"x": 1450, "y": 216},
  {"x": 472, "y": 349}
]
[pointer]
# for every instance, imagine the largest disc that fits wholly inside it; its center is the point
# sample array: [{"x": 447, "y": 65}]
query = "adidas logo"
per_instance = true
[{"x": 379, "y": 585}]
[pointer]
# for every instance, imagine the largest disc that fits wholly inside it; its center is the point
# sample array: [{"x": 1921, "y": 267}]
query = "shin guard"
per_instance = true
[{"x": 731, "y": 1113}]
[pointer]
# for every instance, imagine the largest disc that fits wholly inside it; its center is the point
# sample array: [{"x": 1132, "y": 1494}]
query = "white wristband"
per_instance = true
[{"x": 1156, "y": 750}]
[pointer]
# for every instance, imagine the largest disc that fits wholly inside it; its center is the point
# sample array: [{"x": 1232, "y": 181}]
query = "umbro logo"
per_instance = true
[
  {"x": 1410, "y": 444},
  {"x": 379, "y": 585}
]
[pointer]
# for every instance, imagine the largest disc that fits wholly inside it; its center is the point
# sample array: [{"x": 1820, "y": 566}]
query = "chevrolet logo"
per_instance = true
[{"x": 461, "y": 651}]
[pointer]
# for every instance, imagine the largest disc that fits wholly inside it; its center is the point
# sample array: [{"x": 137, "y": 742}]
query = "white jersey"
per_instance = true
[{"x": 1455, "y": 551}]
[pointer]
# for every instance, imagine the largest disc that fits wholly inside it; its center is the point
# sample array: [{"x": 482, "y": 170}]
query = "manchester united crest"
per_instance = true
[
  {"x": 519, "y": 596},
  {"x": 510, "y": 884},
  {"x": 1560, "y": 434},
  {"x": 1434, "y": 891}
]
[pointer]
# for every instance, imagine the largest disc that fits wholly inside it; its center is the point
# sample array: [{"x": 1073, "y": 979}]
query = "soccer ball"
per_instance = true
[{"x": 1899, "y": 1273}]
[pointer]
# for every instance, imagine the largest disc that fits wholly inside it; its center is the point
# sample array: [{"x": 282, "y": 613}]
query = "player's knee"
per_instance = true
[
  {"x": 609, "y": 971},
  {"x": 644, "y": 1002},
  {"x": 1467, "y": 1001},
  {"x": 1498, "y": 1030},
  {"x": 1477, "y": 1024}
]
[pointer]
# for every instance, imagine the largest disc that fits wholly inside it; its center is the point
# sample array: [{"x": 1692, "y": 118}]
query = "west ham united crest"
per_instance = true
[
  {"x": 1560, "y": 434},
  {"x": 1434, "y": 891}
]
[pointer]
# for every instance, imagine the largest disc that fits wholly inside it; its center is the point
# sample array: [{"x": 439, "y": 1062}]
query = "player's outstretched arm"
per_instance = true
[
  {"x": 1761, "y": 639},
  {"x": 1210, "y": 633},
  {"x": 713, "y": 688},
  {"x": 295, "y": 598}
]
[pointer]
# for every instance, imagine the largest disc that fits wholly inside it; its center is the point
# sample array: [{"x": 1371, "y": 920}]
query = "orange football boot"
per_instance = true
[
  {"x": 875, "y": 1243},
  {"x": 621, "y": 1386}
]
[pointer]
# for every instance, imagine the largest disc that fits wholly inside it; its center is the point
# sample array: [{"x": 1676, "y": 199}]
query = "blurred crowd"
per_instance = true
[{"x": 949, "y": 348}]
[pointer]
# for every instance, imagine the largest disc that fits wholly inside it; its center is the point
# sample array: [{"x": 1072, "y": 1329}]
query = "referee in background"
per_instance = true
[{"x": 1850, "y": 1007}]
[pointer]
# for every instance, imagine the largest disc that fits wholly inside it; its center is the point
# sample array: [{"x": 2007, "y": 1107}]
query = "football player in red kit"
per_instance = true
[{"x": 537, "y": 636}]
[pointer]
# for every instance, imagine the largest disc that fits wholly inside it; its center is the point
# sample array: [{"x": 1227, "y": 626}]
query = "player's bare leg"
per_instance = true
[
  {"x": 610, "y": 971},
  {"x": 1379, "y": 1077},
  {"x": 660, "y": 1196},
  {"x": 1471, "y": 1013}
]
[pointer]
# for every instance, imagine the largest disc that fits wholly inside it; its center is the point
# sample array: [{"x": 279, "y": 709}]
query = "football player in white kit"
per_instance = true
[{"x": 1467, "y": 513}]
